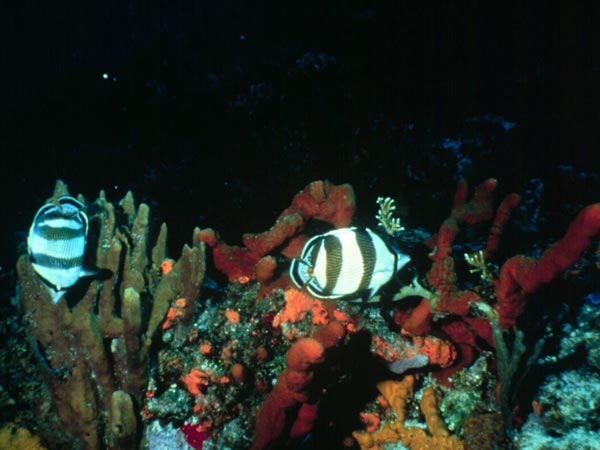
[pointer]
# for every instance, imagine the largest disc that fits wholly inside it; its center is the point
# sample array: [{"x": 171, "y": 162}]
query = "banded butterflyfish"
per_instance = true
[
  {"x": 56, "y": 244},
  {"x": 347, "y": 262}
]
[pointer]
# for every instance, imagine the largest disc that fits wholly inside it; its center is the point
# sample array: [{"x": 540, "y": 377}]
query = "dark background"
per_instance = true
[{"x": 217, "y": 113}]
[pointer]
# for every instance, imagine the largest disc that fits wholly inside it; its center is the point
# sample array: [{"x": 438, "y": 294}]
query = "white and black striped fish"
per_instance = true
[
  {"x": 56, "y": 244},
  {"x": 346, "y": 262}
]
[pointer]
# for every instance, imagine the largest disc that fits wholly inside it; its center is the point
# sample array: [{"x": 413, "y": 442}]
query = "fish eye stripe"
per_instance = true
[
  {"x": 67, "y": 206},
  {"x": 295, "y": 272},
  {"x": 54, "y": 214},
  {"x": 72, "y": 201},
  {"x": 301, "y": 280},
  {"x": 44, "y": 210}
]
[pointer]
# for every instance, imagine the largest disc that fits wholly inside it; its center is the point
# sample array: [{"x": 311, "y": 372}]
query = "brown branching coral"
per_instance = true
[
  {"x": 397, "y": 394},
  {"x": 95, "y": 352},
  {"x": 13, "y": 437}
]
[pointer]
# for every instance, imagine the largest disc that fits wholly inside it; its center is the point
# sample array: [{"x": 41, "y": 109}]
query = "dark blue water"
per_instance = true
[{"x": 217, "y": 113}]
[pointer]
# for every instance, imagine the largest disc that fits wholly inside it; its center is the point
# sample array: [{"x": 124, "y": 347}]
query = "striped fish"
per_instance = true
[
  {"x": 346, "y": 262},
  {"x": 56, "y": 244}
]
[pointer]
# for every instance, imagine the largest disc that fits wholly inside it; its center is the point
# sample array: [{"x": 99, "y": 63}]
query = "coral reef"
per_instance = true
[
  {"x": 211, "y": 376},
  {"x": 446, "y": 309},
  {"x": 131, "y": 356},
  {"x": 95, "y": 349},
  {"x": 501, "y": 301}
]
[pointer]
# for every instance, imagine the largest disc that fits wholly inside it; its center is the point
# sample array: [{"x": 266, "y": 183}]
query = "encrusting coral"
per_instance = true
[
  {"x": 17, "y": 438},
  {"x": 295, "y": 399},
  {"x": 397, "y": 394},
  {"x": 290, "y": 391},
  {"x": 95, "y": 350}
]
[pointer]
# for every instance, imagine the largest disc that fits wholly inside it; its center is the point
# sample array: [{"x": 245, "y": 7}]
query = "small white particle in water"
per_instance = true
[{"x": 105, "y": 76}]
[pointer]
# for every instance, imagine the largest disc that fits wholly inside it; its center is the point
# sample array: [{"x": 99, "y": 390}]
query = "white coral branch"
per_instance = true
[
  {"x": 414, "y": 289},
  {"x": 477, "y": 261},
  {"x": 385, "y": 216}
]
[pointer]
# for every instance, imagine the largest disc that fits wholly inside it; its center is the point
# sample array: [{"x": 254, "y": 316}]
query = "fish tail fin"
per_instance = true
[{"x": 56, "y": 295}]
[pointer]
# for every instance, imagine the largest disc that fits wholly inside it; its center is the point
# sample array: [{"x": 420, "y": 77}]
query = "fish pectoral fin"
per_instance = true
[
  {"x": 87, "y": 273},
  {"x": 373, "y": 298},
  {"x": 401, "y": 261},
  {"x": 372, "y": 295}
]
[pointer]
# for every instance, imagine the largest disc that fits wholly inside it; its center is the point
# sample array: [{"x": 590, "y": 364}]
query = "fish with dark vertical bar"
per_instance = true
[
  {"x": 346, "y": 262},
  {"x": 56, "y": 244}
]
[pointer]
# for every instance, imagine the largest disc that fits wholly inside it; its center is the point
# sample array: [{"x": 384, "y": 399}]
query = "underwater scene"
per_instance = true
[{"x": 318, "y": 226}]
